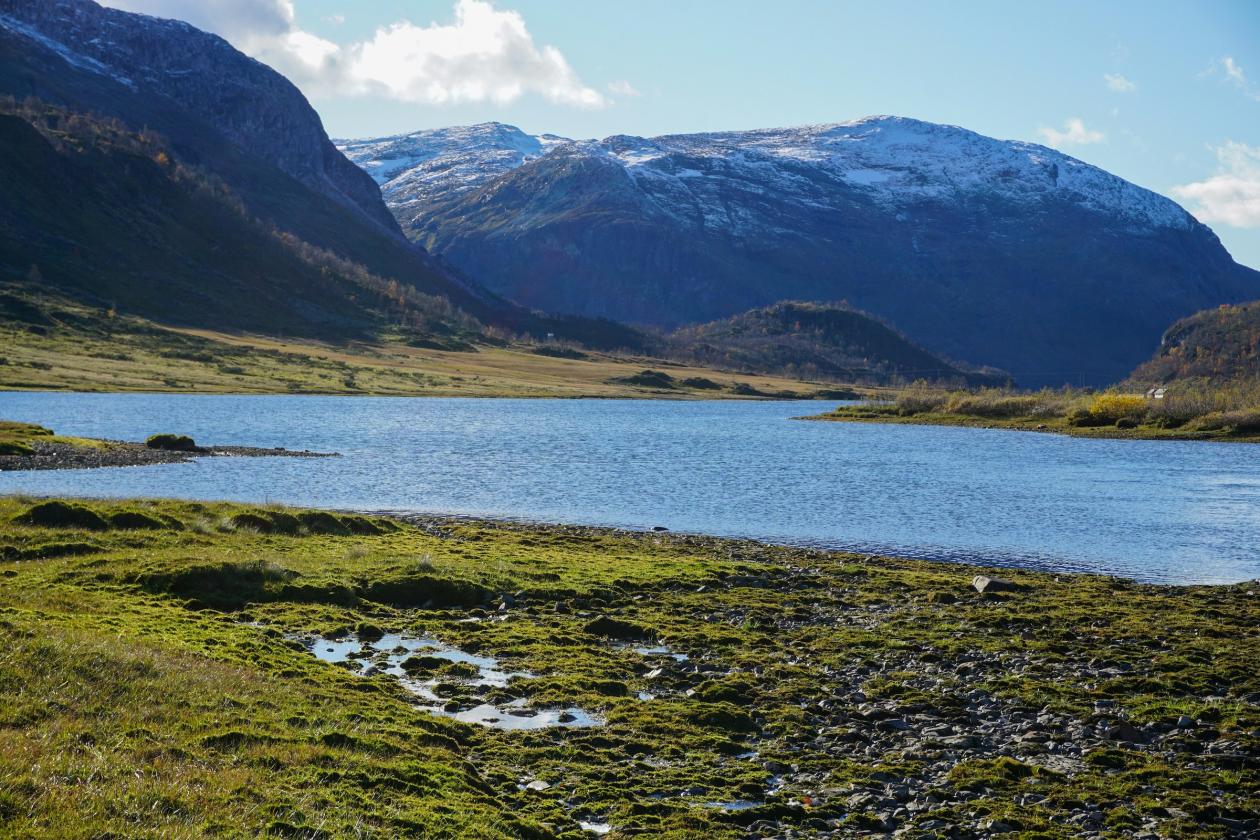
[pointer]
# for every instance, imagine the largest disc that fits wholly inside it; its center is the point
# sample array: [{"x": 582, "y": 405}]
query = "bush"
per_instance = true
[
  {"x": 647, "y": 379},
  {"x": 171, "y": 443},
  {"x": 990, "y": 404},
  {"x": 921, "y": 401},
  {"x": 131, "y": 520},
  {"x": 15, "y": 448},
  {"x": 1112, "y": 407},
  {"x": 1243, "y": 421},
  {"x": 62, "y": 515}
]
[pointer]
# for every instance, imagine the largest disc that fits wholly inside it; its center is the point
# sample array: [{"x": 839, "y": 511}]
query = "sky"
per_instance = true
[{"x": 1165, "y": 94}]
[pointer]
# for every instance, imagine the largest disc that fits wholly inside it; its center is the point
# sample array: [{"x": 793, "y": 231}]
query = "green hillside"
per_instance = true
[{"x": 820, "y": 340}]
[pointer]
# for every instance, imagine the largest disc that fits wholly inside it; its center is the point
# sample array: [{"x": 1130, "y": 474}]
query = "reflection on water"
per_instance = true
[
  {"x": 1153, "y": 510},
  {"x": 395, "y": 654}
]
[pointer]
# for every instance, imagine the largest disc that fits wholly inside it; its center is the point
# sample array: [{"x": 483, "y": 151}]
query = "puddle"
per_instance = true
[
  {"x": 735, "y": 805},
  {"x": 655, "y": 650},
  {"x": 595, "y": 827},
  {"x": 388, "y": 654}
]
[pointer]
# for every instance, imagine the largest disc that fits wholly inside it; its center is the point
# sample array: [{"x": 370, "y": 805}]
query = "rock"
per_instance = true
[
  {"x": 1126, "y": 732},
  {"x": 986, "y": 585},
  {"x": 614, "y": 628}
]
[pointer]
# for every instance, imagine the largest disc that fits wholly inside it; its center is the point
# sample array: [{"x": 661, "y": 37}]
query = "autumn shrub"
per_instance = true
[
  {"x": 921, "y": 401},
  {"x": 1108, "y": 408}
]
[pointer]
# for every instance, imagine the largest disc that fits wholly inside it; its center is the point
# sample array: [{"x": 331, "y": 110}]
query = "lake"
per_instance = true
[{"x": 1177, "y": 512}]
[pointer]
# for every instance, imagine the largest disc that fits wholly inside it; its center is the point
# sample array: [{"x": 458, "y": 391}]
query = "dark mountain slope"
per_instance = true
[
  {"x": 817, "y": 340},
  {"x": 111, "y": 218},
  {"x": 234, "y": 123},
  {"x": 1218, "y": 345},
  {"x": 994, "y": 252}
]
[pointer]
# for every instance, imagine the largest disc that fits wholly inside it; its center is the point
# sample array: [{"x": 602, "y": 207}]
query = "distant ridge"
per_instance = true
[
  {"x": 995, "y": 252},
  {"x": 821, "y": 340}
]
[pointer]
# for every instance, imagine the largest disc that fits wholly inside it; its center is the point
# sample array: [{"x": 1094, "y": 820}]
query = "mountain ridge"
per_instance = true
[{"x": 994, "y": 252}]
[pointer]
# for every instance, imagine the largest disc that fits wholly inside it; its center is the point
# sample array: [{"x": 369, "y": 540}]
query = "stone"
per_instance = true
[{"x": 986, "y": 585}]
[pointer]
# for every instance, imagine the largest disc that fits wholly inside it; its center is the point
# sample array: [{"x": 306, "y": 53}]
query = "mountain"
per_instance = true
[
  {"x": 819, "y": 341},
  {"x": 152, "y": 167},
  {"x": 1218, "y": 345},
  {"x": 995, "y": 252}
]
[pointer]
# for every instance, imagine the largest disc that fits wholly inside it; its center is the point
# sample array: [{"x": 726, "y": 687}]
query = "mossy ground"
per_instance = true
[
  {"x": 16, "y": 438},
  {"x": 150, "y": 684}
]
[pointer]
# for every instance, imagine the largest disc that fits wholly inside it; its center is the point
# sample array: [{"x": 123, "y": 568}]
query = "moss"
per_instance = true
[
  {"x": 130, "y": 520},
  {"x": 59, "y": 514},
  {"x": 184, "y": 650}
]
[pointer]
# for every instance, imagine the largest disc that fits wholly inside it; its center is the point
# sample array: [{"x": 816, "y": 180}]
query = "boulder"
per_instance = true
[{"x": 986, "y": 585}]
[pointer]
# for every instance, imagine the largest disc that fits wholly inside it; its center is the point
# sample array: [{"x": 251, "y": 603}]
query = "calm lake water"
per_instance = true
[{"x": 1156, "y": 511}]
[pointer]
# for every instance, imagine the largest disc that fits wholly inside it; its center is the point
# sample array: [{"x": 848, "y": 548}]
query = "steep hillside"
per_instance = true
[
  {"x": 816, "y": 340},
  {"x": 1221, "y": 344},
  {"x": 994, "y": 252},
  {"x": 109, "y": 217},
  {"x": 162, "y": 171}
]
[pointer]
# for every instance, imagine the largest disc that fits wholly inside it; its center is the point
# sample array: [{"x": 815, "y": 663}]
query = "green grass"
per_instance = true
[
  {"x": 18, "y": 438},
  {"x": 1224, "y": 412},
  {"x": 149, "y": 687}
]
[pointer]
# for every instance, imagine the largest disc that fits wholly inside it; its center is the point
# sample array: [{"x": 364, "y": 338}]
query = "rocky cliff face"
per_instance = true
[
  {"x": 248, "y": 103},
  {"x": 989, "y": 251}
]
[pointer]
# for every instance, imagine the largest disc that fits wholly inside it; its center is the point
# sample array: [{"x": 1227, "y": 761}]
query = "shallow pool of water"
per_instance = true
[
  {"x": 389, "y": 653},
  {"x": 1154, "y": 510}
]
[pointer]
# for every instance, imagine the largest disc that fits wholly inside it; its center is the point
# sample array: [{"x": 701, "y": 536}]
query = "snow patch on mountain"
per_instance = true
[
  {"x": 894, "y": 162},
  {"x": 75, "y": 59},
  {"x": 413, "y": 168}
]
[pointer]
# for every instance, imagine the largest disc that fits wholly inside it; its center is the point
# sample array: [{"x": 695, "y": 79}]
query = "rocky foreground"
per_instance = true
[{"x": 303, "y": 673}]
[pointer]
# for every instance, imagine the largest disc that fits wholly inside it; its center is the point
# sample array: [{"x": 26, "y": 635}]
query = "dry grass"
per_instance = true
[{"x": 203, "y": 361}]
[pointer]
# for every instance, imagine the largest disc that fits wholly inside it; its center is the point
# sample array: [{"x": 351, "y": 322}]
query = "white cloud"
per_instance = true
[
  {"x": 1232, "y": 195},
  {"x": 623, "y": 88},
  {"x": 1074, "y": 133},
  {"x": 1230, "y": 71},
  {"x": 1119, "y": 84},
  {"x": 485, "y": 54}
]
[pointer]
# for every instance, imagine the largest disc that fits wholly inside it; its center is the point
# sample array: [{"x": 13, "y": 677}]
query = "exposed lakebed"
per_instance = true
[{"x": 1160, "y": 511}]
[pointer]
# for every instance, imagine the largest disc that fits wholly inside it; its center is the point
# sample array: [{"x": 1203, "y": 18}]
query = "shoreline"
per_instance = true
[
  {"x": 1042, "y": 426},
  {"x": 101, "y": 453}
]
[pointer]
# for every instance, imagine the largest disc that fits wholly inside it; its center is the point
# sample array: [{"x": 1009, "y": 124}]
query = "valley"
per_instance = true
[{"x": 473, "y": 482}]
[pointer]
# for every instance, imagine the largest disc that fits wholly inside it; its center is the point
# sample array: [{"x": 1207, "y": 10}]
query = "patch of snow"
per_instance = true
[
  {"x": 722, "y": 180},
  {"x": 71, "y": 57}
]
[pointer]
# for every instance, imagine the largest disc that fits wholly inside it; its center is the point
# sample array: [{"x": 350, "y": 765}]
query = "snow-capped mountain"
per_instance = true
[
  {"x": 992, "y": 251},
  {"x": 895, "y": 161},
  {"x": 412, "y": 169}
]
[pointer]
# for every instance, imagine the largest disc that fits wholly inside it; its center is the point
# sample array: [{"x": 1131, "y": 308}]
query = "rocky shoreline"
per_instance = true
[{"x": 49, "y": 455}]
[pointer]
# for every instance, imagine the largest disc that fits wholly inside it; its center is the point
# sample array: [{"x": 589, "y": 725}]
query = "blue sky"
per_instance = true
[{"x": 1165, "y": 94}]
